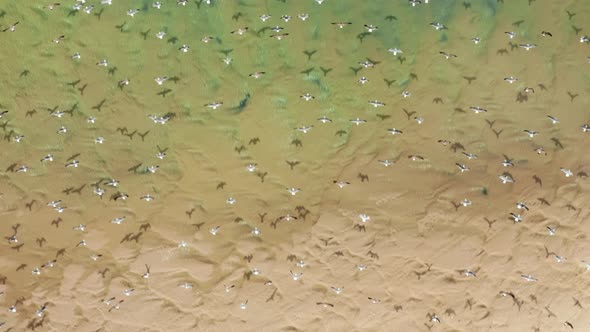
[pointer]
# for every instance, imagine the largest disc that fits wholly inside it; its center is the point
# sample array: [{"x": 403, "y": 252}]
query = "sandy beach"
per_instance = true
[{"x": 337, "y": 166}]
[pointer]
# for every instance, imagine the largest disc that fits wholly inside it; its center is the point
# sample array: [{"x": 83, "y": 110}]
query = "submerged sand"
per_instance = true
[{"x": 404, "y": 269}]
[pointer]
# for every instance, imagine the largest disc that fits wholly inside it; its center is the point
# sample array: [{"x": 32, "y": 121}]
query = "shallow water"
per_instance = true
[{"x": 418, "y": 238}]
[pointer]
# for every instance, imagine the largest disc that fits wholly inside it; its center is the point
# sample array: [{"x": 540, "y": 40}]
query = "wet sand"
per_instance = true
[{"x": 419, "y": 241}]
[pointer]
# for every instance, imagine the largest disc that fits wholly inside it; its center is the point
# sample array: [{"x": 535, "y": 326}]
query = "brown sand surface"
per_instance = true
[{"x": 422, "y": 262}]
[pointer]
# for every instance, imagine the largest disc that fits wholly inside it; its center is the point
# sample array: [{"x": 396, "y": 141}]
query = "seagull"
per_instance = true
[
  {"x": 364, "y": 217},
  {"x": 257, "y": 74},
  {"x": 288, "y": 217},
  {"x": 528, "y": 277},
  {"x": 506, "y": 179},
  {"x": 395, "y": 51},
  {"x": 337, "y": 290},
  {"x": 255, "y": 231},
  {"x": 341, "y": 184},
  {"x": 231, "y": 201},
  {"x": 516, "y": 217},
  {"x": 91, "y": 119},
  {"x": 240, "y": 31},
  {"x": 147, "y": 198},
  {"x": 80, "y": 227},
  {"x": 99, "y": 191},
  {"x": 296, "y": 276},
  {"x": 160, "y": 80},
  {"x": 157, "y": 5},
  {"x": 475, "y": 40},
  {"x": 527, "y": 46},
  {"x": 304, "y": 129},
  {"x": 41, "y": 310},
  {"x": 341, "y": 25},
  {"x": 132, "y": 12},
  {"x": 370, "y": 28},
  {"x": 99, "y": 140},
  {"x": 118, "y": 220},
  {"x": 466, "y": 202},
  {"x": 386, "y": 162},
  {"x": 361, "y": 267},
  {"x": 112, "y": 183},
  {"x": 76, "y": 56},
  {"x": 468, "y": 273},
  {"x": 251, "y": 167},
  {"x": 102, "y": 63},
  {"x": 363, "y": 80},
  {"x": 324, "y": 119},
  {"x": 447, "y": 55},
  {"x": 586, "y": 128},
  {"x": 531, "y": 133},
  {"x": 553, "y": 119},
  {"x": 307, "y": 96},
  {"x": 160, "y": 35},
  {"x": 568, "y": 173},
  {"x": 583, "y": 39},
  {"x": 184, "y": 48},
  {"x": 214, "y": 105},
  {"x": 406, "y": 94},
  {"x": 586, "y": 265},
  {"x": 477, "y": 109},
  {"x": 462, "y": 167},
  {"x": 358, "y": 121},
  {"x": 522, "y": 206},
  {"x": 507, "y": 162},
  {"x": 551, "y": 230},
  {"x": 54, "y": 203},
  {"x": 214, "y": 230},
  {"x": 438, "y": 26},
  {"x": 470, "y": 155},
  {"x": 293, "y": 191},
  {"x": 414, "y": 2},
  {"x": 244, "y": 305},
  {"x": 419, "y": 119},
  {"x": 394, "y": 131},
  {"x": 303, "y": 16},
  {"x": 367, "y": 64},
  {"x": 264, "y": 17},
  {"x": 376, "y": 103},
  {"x": 510, "y": 34},
  {"x": 527, "y": 90},
  {"x": 510, "y": 79}
]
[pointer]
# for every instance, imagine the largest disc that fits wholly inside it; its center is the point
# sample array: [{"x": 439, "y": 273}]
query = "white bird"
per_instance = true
[
  {"x": 528, "y": 277},
  {"x": 553, "y": 119},
  {"x": 527, "y": 46},
  {"x": 296, "y": 276},
  {"x": 506, "y": 178},
  {"x": 132, "y": 12},
  {"x": 568, "y": 173},
  {"x": 531, "y": 133},
  {"x": 386, "y": 162},
  {"x": 395, "y": 131},
  {"x": 293, "y": 191},
  {"x": 395, "y": 51},
  {"x": 364, "y": 217},
  {"x": 515, "y": 217}
]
